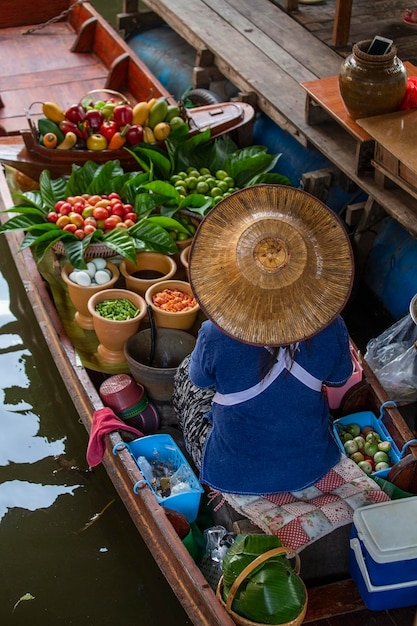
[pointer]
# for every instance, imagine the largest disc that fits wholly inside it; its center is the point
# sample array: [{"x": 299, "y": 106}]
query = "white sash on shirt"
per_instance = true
[{"x": 283, "y": 362}]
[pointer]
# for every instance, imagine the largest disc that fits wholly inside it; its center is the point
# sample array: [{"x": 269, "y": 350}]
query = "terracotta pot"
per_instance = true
[
  {"x": 113, "y": 334},
  {"x": 372, "y": 84},
  {"x": 185, "y": 243},
  {"x": 183, "y": 320},
  {"x": 80, "y": 295},
  {"x": 184, "y": 259},
  {"x": 147, "y": 263}
]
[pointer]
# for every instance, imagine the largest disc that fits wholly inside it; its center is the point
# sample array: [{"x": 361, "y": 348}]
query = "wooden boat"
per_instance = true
[
  {"x": 80, "y": 53},
  {"x": 187, "y": 581}
]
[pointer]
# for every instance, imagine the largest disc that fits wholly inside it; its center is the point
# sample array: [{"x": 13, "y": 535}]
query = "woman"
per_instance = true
[
  {"x": 271, "y": 268},
  {"x": 277, "y": 440}
]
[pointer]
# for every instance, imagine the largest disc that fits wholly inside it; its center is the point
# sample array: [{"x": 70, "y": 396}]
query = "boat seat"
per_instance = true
[{"x": 325, "y": 560}]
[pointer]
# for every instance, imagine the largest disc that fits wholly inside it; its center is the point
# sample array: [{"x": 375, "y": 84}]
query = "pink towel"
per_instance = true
[{"x": 104, "y": 421}]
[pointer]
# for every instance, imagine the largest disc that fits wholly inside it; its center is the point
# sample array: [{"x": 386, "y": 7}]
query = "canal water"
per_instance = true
[
  {"x": 81, "y": 573},
  {"x": 56, "y": 566}
]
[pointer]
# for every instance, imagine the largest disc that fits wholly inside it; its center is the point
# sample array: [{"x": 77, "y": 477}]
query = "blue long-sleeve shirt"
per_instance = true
[{"x": 282, "y": 439}]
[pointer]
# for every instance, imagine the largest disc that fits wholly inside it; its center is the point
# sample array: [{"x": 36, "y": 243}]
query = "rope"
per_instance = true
[{"x": 57, "y": 18}]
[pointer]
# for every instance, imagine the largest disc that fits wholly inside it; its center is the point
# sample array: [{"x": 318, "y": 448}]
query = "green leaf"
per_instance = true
[
  {"x": 163, "y": 189},
  {"x": 272, "y": 178},
  {"x": 145, "y": 203},
  {"x": 152, "y": 155},
  {"x": 51, "y": 190},
  {"x": 130, "y": 188},
  {"x": 197, "y": 203},
  {"x": 30, "y": 198},
  {"x": 103, "y": 175},
  {"x": 80, "y": 179},
  {"x": 121, "y": 242},
  {"x": 150, "y": 237},
  {"x": 26, "y": 219},
  {"x": 247, "y": 163}
]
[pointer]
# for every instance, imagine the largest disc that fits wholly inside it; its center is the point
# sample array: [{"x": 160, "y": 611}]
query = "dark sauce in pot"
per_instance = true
[{"x": 147, "y": 274}]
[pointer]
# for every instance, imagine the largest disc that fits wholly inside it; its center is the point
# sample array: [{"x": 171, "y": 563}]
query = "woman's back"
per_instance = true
[{"x": 280, "y": 440}]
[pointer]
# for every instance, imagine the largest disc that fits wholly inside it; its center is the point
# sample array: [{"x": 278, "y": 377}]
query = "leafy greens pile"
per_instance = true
[{"x": 147, "y": 190}]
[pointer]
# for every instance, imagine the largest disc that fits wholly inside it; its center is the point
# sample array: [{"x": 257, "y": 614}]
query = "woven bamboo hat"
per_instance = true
[{"x": 271, "y": 265}]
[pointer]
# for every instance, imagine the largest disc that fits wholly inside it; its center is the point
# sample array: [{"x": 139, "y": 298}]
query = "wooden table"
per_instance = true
[
  {"x": 324, "y": 101},
  {"x": 395, "y": 158}
]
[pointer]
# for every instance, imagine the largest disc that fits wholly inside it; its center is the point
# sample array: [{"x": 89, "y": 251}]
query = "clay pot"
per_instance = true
[
  {"x": 184, "y": 258},
  {"x": 182, "y": 320},
  {"x": 154, "y": 267},
  {"x": 372, "y": 84},
  {"x": 80, "y": 295},
  {"x": 113, "y": 334}
]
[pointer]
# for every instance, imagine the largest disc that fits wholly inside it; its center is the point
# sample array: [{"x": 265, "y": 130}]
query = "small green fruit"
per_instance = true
[{"x": 176, "y": 122}]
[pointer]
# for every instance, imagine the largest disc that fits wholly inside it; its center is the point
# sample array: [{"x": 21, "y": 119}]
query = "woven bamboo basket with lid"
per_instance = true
[
  {"x": 93, "y": 251},
  {"x": 243, "y": 621}
]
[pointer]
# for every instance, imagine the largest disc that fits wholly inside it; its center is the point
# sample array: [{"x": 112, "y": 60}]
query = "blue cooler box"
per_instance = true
[
  {"x": 163, "y": 450},
  {"x": 383, "y": 553}
]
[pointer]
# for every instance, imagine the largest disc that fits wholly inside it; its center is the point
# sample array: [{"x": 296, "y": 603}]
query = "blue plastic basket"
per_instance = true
[
  {"x": 367, "y": 418},
  {"x": 162, "y": 449}
]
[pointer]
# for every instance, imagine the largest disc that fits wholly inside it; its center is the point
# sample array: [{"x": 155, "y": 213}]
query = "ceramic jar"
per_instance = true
[{"x": 372, "y": 84}]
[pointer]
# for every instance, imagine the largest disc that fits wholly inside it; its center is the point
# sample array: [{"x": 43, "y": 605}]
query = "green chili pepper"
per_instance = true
[{"x": 120, "y": 309}]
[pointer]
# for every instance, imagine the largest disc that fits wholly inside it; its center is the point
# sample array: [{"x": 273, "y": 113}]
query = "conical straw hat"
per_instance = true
[{"x": 271, "y": 265}]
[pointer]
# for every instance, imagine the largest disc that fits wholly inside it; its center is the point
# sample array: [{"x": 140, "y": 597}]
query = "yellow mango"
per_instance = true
[
  {"x": 151, "y": 103},
  {"x": 161, "y": 131},
  {"x": 158, "y": 113},
  {"x": 140, "y": 113}
]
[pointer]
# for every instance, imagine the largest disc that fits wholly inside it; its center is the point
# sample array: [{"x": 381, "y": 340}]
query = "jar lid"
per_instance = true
[{"x": 121, "y": 393}]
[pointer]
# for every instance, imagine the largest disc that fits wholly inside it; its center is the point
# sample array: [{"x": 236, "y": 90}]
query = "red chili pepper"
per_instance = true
[
  {"x": 66, "y": 126},
  {"x": 84, "y": 128}
]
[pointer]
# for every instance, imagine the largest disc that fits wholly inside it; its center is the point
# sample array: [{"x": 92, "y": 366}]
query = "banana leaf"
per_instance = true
[{"x": 271, "y": 593}]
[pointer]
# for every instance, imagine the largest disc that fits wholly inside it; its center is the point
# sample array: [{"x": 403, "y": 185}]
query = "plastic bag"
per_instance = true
[
  {"x": 217, "y": 542},
  {"x": 393, "y": 358}
]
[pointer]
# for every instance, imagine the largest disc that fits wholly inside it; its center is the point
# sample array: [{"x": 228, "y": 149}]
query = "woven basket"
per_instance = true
[
  {"x": 93, "y": 251},
  {"x": 243, "y": 621}
]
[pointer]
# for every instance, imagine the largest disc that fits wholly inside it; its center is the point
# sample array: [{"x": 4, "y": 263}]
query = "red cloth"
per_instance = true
[
  {"x": 104, "y": 421},
  {"x": 410, "y": 98}
]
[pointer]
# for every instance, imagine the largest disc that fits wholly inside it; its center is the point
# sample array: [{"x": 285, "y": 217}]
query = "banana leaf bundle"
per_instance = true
[{"x": 271, "y": 591}]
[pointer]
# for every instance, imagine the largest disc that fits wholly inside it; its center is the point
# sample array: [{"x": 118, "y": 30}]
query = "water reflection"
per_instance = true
[
  {"x": 29, "y": 496},
  {"x": 77, "y": 572}
]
